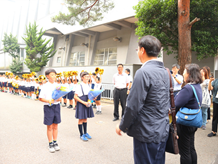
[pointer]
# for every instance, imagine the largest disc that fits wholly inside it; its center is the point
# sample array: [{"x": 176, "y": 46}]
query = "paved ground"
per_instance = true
[{"x": 23, "y": 138}]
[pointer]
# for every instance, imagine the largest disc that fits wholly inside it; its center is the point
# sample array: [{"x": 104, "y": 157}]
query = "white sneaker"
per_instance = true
[
  {"x": 51, "y": 148},
  {"x": 56, "y": 147}
]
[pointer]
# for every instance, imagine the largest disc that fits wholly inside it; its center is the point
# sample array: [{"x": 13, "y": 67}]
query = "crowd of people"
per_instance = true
[
  {"x": 30, "y": 87},
  {"x": 145, "y": 102},
  {"x": 146, "y": 116}
]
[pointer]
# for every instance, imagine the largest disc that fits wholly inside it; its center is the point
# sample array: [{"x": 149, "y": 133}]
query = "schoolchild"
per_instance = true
[
  {"x": 84, "y": 109},
  {"x": 52, "y": 116}
]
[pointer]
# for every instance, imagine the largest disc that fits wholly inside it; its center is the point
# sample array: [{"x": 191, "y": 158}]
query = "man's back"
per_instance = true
[{"x": 150, "y": 97}]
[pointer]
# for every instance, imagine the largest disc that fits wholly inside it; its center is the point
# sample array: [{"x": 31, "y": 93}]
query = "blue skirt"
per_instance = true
[
  {"x": 98, "y": 98},
  {"x": 83, "y": 112}
]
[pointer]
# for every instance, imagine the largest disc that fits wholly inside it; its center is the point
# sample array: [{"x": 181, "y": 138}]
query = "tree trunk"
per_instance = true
[{"x": 184, "y": 29}]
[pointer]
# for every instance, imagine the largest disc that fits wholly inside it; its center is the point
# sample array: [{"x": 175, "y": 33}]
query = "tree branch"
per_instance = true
[
  {"x": 90, "y": 7},
  {"x": 193, "y": 21}
]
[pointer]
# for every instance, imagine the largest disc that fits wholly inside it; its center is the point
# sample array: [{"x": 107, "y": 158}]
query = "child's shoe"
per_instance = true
[
  {"x": 56, "y": 147},
  {"x": 70, "y": 106},
  {"x": 51, "y": 148},
  {"x": 87, "y": 136},
  {"x": 83, "y": 137}
]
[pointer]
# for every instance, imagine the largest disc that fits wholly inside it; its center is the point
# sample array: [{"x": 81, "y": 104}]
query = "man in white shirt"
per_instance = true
[
  {"x": 178, "y": 79},
  {"x": 121, "y": 82}
]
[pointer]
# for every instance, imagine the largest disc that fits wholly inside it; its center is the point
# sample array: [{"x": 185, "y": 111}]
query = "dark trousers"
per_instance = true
[
  {"x": 186, "y": 144},
  {"x": 208, "y": 113},
  {"x": 149, "y": 153},
  {"x": 119, "y": 95},
  {"x": 215, "y": 117}
]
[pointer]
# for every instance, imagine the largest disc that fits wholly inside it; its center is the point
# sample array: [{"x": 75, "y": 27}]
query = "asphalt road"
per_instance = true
[{"x": 23, "y": 137}]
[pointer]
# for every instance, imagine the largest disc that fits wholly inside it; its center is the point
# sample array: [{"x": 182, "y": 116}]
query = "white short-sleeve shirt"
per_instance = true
[
  {"x": 97, "y": 86},
  {"x": 120, "y": 80},
  {"x": 47, "y": 90},
  {"x": 86, "y": 89},
  {"x": 177, "y": 86}
]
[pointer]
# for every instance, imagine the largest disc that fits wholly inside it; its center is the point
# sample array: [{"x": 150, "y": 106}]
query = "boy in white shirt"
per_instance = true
[{"x": 52, "y": 116}]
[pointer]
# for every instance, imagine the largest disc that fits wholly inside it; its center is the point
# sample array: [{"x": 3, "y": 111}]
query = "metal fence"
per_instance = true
[{"x": 108, "y": 91}]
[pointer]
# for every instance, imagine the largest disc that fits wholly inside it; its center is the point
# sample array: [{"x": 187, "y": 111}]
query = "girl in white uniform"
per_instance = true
[{"x": 84, "y": 109}]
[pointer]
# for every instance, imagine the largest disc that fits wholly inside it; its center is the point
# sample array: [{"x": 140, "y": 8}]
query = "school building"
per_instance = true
[{"x": 103, "y": 44}]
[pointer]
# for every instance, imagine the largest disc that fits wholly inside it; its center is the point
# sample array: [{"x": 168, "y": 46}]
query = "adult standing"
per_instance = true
[
  {"x": 205, "y": 96},
  {"x": 208, "y": 110},
  {"x": 127, "y": 71},
  {"x": 213, "y": 86},
  {"x": 178, "y": 79},
  {"x": 186, "y": 98},
  {"x": 121, "y": 82},
  {"x": 146, "y": 116}
]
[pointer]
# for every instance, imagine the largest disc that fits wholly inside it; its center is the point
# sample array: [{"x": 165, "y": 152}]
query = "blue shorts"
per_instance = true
[
  {"x": 52, "y": 114},
  {"x": 39, "y": 91},
  {"x": 32, "y": 89},
  {"x": 70, "y": 95},
  {"x": 64, "y": 97}
]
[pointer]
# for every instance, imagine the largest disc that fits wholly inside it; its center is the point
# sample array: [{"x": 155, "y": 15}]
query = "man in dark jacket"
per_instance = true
[{"x": 146, "y": 115}]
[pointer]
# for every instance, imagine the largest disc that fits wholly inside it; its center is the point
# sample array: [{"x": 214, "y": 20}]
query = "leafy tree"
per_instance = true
[
  {"x": 12, "y": 47},
  {"x": 16, "y": 66},
  {"x": 160, "y": 19},
  {"x": 84, "y": 11},
  {"x": 38, "y": 52}
]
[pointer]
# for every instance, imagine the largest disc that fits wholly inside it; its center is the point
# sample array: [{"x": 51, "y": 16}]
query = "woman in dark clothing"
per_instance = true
[
  {"x": 213, "y": 86},
  {"x": 186, "y": 98}
]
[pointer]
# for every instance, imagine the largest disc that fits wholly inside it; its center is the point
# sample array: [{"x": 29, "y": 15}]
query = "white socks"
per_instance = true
[{"x": 98, "y": 107}]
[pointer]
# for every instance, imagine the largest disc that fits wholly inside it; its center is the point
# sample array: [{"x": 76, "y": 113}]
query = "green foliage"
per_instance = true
[
  {"x": 16, "y": 66},
  {"x": 84, "y": 11},
  {"x": 11, "y": 45},
  {"x": 160, "y": 19},
  {"x": 38, "y": 52}
]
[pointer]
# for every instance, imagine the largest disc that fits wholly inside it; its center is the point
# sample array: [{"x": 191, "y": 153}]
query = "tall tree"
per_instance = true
[
  {"x": 12, "y": 47},
  {"x": 85, "y": 12},
  {"x": 184, "y": 32},
  {"x": 160, "y": 18},
  {"x": 38, "y": 52}
]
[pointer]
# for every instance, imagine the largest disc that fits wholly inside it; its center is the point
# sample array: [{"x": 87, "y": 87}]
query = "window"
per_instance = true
[
  {"x": 77, "y": 59},
  {"x": 58, "y": 59},
  {"x": 106, "y": 56},
  {"x": 22, "y": 54}
]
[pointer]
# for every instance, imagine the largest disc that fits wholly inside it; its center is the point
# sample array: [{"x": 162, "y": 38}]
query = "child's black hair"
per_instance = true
[
  {"x": 47, "y": 72},
  {"x": 98, "y": 78}
]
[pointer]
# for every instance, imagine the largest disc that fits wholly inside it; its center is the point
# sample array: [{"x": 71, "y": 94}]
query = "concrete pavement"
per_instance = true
[{"x": 23, "y": 137}]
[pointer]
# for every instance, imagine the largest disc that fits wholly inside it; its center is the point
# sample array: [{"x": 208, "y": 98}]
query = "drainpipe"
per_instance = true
[{"x": 89, "y": 60}]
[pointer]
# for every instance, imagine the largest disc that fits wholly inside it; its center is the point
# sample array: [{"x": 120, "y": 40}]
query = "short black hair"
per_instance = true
[
  {"x": 94, "y": 73},
  {"x": 151, "y": 45},
  {"x": 119, "y": 64},
  {"x": 194, "y": 73},
  {"x": 128, "y": 70},
  {"x": 48, "y": 71},
  {"x": 98, "y": 78}
]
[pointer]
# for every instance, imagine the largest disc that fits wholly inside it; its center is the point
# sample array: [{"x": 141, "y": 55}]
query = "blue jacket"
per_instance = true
[{"x": 146, "y": 115}]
